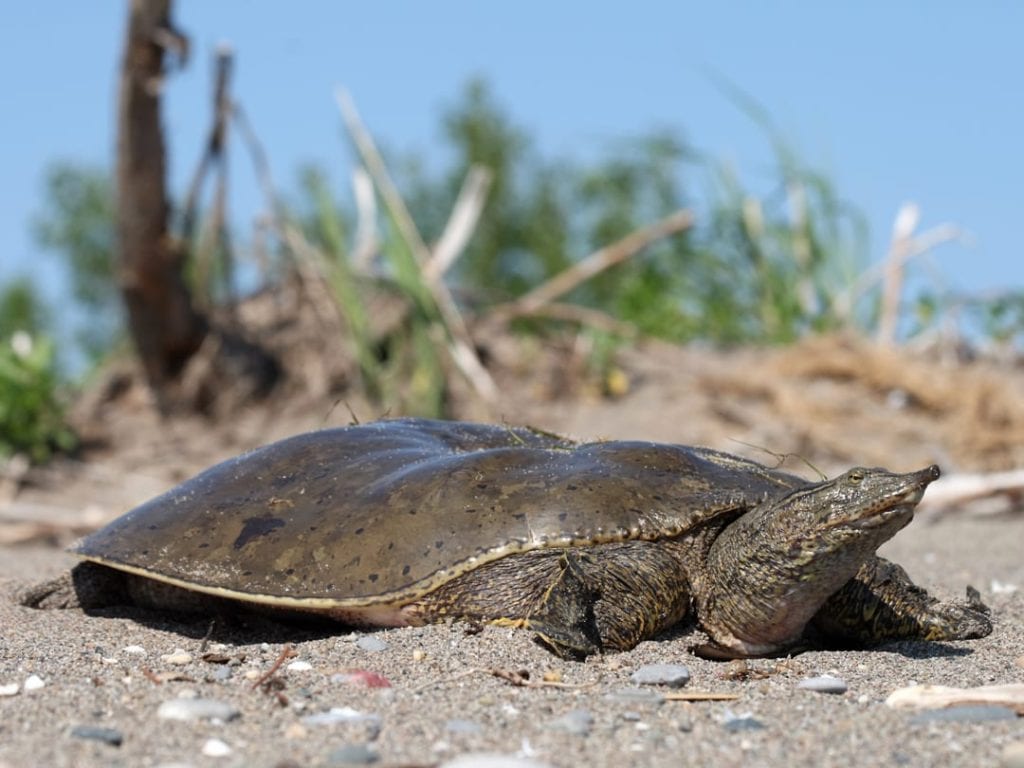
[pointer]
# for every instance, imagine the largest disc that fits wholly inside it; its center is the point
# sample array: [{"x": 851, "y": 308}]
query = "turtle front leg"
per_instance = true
[
  {"x": 880, "y": 603},
  {"x": 85, "y": 586},
  {"x": 563, "y": 618}
]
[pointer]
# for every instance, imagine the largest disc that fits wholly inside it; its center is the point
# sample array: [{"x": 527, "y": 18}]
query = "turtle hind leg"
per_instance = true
[
  {"x": 85, "y": 586},
  {"x": 564, "y": 618},
  {"x": 880, "y": 603}
]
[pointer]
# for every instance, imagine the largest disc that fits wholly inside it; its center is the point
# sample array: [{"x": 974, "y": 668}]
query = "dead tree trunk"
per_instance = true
[{"x": 165, "y": 326}]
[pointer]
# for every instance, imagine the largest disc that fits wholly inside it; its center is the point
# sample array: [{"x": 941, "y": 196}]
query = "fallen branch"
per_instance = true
[
  {"x": 957, "y": 490},
  {"x": 616, "y": 253},
  {"x": 940, "y": 696}
]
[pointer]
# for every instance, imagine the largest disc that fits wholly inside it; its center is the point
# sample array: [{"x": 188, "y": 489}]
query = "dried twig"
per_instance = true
[
  {"x": 559, "y": 285},
  {"x": 903, "y": 248},
  {"x": 700, "y": 696},
  {"x": 286, "y": 653},
  {"x": 365, "y": 244},
  {"x": 461, "y": 223},
  {"x": 463, "y": 352}
]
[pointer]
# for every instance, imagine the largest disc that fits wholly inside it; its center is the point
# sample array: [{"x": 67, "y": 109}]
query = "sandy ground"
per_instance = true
[{"x": 439, "y": 681}]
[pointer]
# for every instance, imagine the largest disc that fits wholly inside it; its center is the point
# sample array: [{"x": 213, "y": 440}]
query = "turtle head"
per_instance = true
[{"x": 768, "y": 572}]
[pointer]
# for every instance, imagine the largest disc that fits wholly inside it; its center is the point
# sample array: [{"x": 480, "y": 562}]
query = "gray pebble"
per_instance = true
[
  {"x": 110, "y": 736},
  {"x": 463, "y": 726},
  {"x": 371, "y": 643},
  {"x": 744, "y": 722},
  {"x": 974, "y": 713},
  {"x": 672, "y": 675},
  {"x": 197, "y": 709},
  {"x": 341, "y": 715},
  {"x": 823, "y": 684},
  {"x": 221, "y": 674},
  {"x": 578, "y": 722},
  {"x": 635, "y": 696},
  {"x": 353, "y": 754}
]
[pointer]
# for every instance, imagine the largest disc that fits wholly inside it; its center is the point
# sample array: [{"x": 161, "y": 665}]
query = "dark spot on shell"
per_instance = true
[
  {"x": 373, "y": 577},
  {"x": 405, "y": 570},
  {"x": 255, "y": 527}
]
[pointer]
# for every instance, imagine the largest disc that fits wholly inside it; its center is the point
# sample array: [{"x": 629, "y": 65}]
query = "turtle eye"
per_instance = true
[{"x": 855, "y": 475}]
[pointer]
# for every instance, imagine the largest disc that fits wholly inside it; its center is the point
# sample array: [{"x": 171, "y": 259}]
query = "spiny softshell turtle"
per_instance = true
[{"x": 593, "y": 546}]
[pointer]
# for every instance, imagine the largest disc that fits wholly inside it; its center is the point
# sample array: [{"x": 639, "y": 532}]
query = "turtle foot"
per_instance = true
[
  {"x": 959, "y": 621},
  {"x": 85, "y": 586},
  {"x": 53, "y": 594}
]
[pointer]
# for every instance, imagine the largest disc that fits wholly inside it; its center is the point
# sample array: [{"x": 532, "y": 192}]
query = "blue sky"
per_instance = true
[{"x": 918, "y": 101}]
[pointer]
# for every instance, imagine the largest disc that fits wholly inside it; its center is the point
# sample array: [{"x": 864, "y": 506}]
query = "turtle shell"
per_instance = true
[{"x": 386, "y": 512}]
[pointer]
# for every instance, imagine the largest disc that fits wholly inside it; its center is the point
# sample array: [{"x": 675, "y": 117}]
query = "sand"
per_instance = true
[{"x": 107, "y": 671}]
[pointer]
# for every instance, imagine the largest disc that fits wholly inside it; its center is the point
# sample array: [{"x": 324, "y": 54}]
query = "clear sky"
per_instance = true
[{"x": 918, "y": 101}]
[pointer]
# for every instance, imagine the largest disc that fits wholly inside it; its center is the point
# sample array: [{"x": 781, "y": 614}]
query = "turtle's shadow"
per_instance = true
[
  {"x": 234, "y": 628},
  {"x": 690, "y": 633}
]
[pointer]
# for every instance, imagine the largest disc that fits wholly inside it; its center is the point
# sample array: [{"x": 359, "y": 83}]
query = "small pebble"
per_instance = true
[
  {"x": 371, "y": 643},
  {"x": 823, "y": 684},
  {"x": 419, "y": 654},
  {"x": 1013, "y": 755},
  {"x": 33, "y": 683},
  {"x": 353, "y": 754},
  {"x": 971, "y": 713},
  {"x": 635, "y": 696},
  {"x": 179, "y": 657},
  {"x": 134, "y": 650},
  {"x": 197, "y": 709},
  {"x": 339, "y": 715},
  {"x": 457, "y": 725},
  {"x": 216, "y": 748},
  {"x": 296, "y": 731},
  {"x": 744, "y": 721},
  {"x": 110, "y": 736},
  {"x": 672, "y": 675},
  {"x": 221, "y": 674},
  {"x": 578, "y": 722},
  {"x": 11, "y": 689},
  {"x": 365, "y": 677},
  {"x": 300, "y": 666}
]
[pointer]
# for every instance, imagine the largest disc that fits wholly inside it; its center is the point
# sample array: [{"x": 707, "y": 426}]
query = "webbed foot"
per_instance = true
[{"x": 881, "y": 603}]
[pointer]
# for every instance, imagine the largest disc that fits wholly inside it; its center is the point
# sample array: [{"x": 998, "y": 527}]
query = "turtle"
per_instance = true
[{"x": 594, "y": 546}]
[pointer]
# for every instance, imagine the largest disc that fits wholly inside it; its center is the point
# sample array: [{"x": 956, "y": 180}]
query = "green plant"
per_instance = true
[{"x": 31, "y": 415}]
